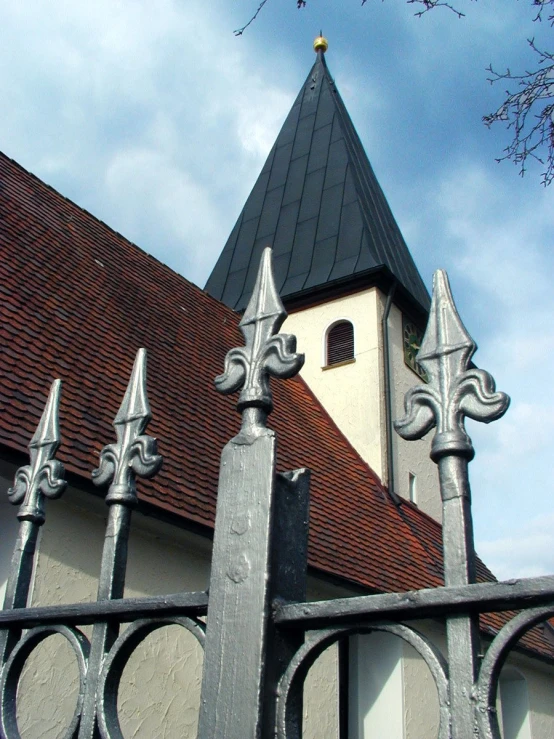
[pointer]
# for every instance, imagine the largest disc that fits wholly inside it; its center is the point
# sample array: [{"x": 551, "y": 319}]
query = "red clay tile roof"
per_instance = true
[{"x": 76, "y": 302}]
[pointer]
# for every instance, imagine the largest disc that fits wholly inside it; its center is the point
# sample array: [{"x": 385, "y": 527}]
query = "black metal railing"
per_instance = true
[{"x": 257, "y": 647}]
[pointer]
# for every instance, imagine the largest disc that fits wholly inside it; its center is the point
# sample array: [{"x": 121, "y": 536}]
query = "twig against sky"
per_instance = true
[{"x": 529, "y": 113}]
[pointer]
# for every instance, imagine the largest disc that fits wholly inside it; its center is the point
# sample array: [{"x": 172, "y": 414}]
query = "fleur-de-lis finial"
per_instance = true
[
  {"x": 134, "y": 453},
  {"x": 454, "y": 390},
  {"x": 44, "y": 475},
  {"x": 266, "y": 352}
]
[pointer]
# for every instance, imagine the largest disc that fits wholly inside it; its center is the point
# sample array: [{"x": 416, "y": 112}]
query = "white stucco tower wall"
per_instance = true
[{"x": 353, "y": 392}]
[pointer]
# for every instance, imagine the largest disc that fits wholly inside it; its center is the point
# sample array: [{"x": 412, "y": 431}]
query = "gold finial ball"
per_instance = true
[{"x": 321, "y": 44}]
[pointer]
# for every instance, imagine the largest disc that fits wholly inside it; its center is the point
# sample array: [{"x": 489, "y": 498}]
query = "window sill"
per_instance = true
[{"x": 339, "y": 364}]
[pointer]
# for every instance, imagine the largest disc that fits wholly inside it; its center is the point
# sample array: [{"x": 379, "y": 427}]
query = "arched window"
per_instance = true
[{"x": 340, "y": 343}]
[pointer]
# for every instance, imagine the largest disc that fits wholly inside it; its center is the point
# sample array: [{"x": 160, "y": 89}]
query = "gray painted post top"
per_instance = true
[
  {"x": 44, "y": 475},
  {"x": 134, "y": 453},
  {"x": 265, "y": 353},
  {"x": 454, "y": 391}
]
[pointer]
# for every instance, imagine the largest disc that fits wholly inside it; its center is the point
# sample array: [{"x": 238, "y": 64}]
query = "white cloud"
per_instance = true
[
  {"x": 529, "y": 554},
  {"x": 131, "y": 109}
]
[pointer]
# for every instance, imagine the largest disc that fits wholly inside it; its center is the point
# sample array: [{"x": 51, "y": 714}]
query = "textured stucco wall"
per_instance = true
[
  {"x": 410, "y": 456},
  {"x": 160, "y": 688},
  {"x": 351, "y": 393},
  {"x": 421, "y": 703},
  {"x": 376, "y": 696},
  {"x": 540, "y": 686},
  {"x": 321, "y": 698}
]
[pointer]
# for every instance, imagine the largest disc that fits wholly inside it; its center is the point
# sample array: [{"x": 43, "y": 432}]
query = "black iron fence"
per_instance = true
[{"x": 257, "y": 647}]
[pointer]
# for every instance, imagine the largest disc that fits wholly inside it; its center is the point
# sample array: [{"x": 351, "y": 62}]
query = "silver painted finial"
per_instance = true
[
  {"x": 134, "y": 453},
  {"x": 44, "y": 475},
  {"x": 266, "y": 352},
  {"x": 454, "y": 391}
]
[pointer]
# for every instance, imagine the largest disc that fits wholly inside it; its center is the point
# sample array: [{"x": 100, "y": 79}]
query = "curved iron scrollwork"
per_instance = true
[
  {"x": 14, "y": 668},
  {"x": 266, "y": 352},
  {"x": 486, "y": 689},
  {"x": 134, "y": 454},
  {"x": 292, "y": 681},
  {"x": 43, "y": 477},
  {"x": 454, "y": 390}
]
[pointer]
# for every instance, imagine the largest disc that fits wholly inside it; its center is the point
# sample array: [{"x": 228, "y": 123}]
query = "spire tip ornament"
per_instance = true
[
  {"x": 454, "y": 391},
  {"x": 321, "y": 43},
  {"x": 43, "y": 477},
  {"x": 266, "y": 352},
  {"x": 134, "y": 453}
]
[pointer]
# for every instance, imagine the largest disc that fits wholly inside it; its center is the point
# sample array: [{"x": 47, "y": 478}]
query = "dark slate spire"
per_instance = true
[{"x": 317, "y": 202}]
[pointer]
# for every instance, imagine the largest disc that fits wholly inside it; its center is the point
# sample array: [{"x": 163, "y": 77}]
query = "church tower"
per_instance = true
[{"x": 355, "y": 298}]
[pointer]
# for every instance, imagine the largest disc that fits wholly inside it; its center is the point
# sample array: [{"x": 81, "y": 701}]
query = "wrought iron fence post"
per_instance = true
[
  {"x": 43, "y": 477},
  {"x": 289, "y": 562},
  {"x": 133, "y": 454},
  {"x": 454, "y": 391},
  {"x": 233, "y": 689}
]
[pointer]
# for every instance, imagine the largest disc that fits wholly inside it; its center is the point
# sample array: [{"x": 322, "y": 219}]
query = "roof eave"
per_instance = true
[{"x": 380, "y": 277}]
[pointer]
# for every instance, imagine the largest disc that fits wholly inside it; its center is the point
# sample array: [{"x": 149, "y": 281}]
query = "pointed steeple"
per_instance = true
[{"x": 317, "y": 202}]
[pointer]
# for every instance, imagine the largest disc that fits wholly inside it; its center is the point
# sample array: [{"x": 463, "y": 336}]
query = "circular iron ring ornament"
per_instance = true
[
  {"x": 117, "y": 658},
  {"x": 14, "y": 667},
  {"x": 295, "y": 674},
  {"x": 487, "y": 683}
]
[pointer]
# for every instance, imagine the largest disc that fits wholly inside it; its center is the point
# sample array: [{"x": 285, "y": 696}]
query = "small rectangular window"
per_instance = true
[{"x": 412, "y": 487}]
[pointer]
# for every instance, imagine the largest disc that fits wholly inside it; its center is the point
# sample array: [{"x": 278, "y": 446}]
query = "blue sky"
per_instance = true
[{"x": 157, "y": 119}]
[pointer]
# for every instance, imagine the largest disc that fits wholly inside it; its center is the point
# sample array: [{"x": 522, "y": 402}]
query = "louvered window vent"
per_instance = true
[{"x": 340, "y": 343}]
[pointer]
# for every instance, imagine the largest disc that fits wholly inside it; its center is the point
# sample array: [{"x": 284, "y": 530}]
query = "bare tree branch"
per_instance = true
[
  {"x": 529, "y": 113},
  {"x": 240, "y": 31},
  {"x": 541, "y": 4},
  {"x": 431, "y": 4}
]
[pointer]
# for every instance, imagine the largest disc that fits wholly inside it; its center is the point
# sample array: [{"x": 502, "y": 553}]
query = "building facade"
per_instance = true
[{"x": 79, "y": 300}]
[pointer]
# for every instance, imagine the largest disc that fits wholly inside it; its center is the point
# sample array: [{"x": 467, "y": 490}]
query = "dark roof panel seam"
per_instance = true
[
  {"x": 301, "y": 198},
  {"x": 399, "y": 253},
  {"x": 375, "y": 202},
  {"x": 358, "y": 170},
  {"x": 324, "y": 80},
  {"x": 249, "y": 266}
]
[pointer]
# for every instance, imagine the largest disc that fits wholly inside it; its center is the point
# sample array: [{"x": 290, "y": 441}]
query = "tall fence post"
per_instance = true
[
  {"x": 455, "y": 391},
  {"x": 233, "y": 687}
]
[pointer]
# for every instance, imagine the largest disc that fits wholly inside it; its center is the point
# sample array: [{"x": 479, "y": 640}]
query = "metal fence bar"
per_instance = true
[
  {"x": 133, "y": 454},
  {"x": 454, "y": 391},
  {"x": 122, "y": 610},
  {"x": 486, "y": 597}
]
